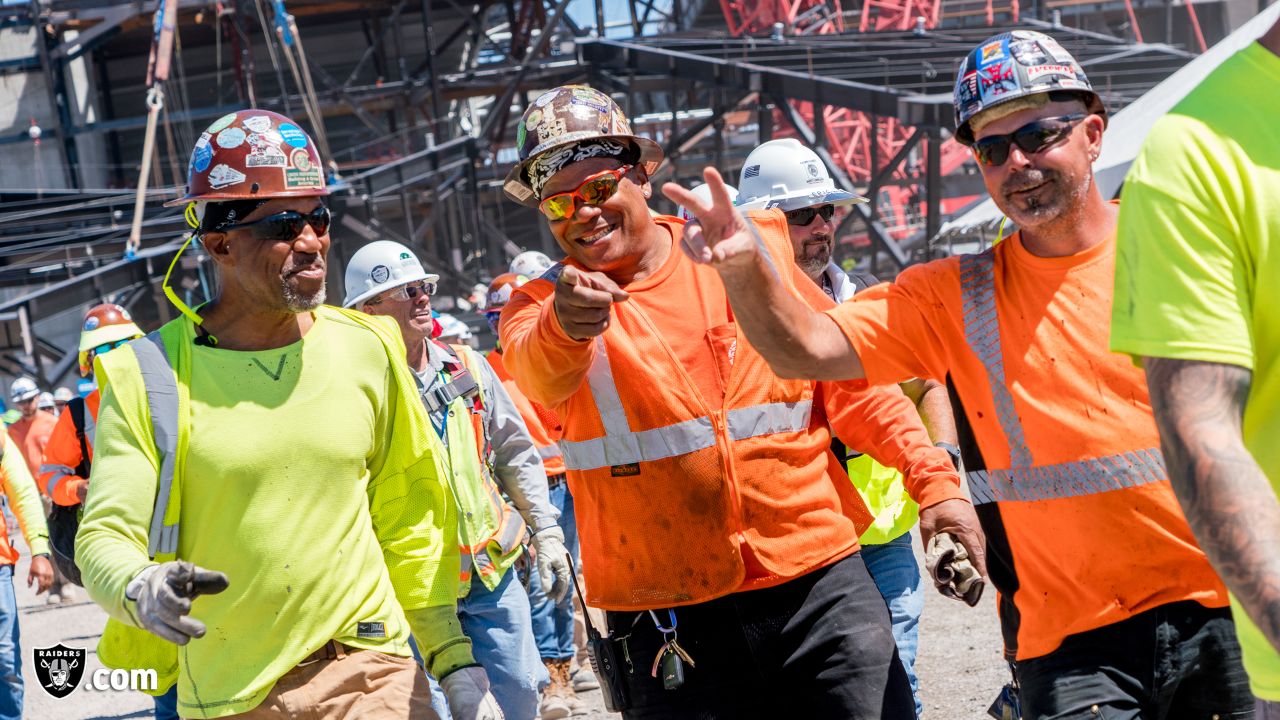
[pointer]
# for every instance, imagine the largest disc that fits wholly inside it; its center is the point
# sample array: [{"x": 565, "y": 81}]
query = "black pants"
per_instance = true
[
  {"x": 819, "y": 646},
  {"x": 1175, "y": 662}
]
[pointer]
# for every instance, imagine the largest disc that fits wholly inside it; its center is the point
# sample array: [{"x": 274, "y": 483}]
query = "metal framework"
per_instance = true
[{"x": 416, "y": 99}]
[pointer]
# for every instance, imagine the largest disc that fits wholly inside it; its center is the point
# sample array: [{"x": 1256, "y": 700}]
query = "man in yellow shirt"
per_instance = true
[
  {"x": 1196, "y": 298},
  {"x": 287, "y": 437}
]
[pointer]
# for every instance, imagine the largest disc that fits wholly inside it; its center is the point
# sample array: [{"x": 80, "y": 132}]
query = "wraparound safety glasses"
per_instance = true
[
  {"x": 804, "y": 216},
  {"x": 594, "y": 190},
  {"x": 286, "y": 225},
  {"x": 404, "y": 293},
  {"x": 1031, "y": 138}
]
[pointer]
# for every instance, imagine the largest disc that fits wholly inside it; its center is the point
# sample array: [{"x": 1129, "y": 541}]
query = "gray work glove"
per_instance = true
[
  {"x": 467, "y": 690},
  {"x": 164, "y": 593},
  {"x": 948, "y": 564},
  {"x": 553, "y": 563}
]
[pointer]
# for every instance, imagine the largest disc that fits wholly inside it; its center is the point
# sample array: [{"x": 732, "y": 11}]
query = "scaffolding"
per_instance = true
[{"x": 416, "y": 100}]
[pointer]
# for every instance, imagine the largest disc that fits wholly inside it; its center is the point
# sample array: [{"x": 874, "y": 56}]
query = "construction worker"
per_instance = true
[
  {"x": 529, "y": 263},
  {"x": 24, "y": 503},
  {"x": 791, "y": 177},
  {"x": 1107, "y": 605},
  {"x": 64, "y": 472},
  {"x": 552, "y": 617},
  {"x": 1199, "y": 254},
  {"x": 45, "y": 402},
  {"x": 490, "y": 453},
  {"x": 711, "y": 513},
  {"x": 288, "y": 437},
  {"x": 61, "y": 397},
  {"x": 31, "y": 432}
]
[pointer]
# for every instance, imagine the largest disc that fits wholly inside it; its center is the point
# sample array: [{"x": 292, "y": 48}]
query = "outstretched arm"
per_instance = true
[
  {"x": 796, "y": 341},
  {"x": 1230, "y": 504}
]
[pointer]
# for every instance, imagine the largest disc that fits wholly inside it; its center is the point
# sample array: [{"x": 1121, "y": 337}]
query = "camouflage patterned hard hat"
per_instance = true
[
  {"x": 253, "y": 154},
  {"x": 1012, "y": 65},
  {"x": 567, "y": 116}
]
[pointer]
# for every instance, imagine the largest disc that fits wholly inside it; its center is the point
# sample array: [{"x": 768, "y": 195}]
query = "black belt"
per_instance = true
[{"x": 555, "y": 480}]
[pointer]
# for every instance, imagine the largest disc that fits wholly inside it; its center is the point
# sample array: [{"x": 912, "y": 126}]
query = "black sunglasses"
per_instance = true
[
  {"x": 804, "y": 216},
  {"x": 1031, "y": 138},
  {"x": 286, "y": 225}
]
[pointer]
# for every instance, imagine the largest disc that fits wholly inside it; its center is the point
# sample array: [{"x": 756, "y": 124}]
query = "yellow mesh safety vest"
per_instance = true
[{"x": 490, "y": 531}]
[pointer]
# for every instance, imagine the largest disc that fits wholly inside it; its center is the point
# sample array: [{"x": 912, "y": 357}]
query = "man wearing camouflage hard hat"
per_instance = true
[
  {"x": 1108, "y": 607},
  {"x": 711, "y": 514},
  {"x": 317, "y": 529}
]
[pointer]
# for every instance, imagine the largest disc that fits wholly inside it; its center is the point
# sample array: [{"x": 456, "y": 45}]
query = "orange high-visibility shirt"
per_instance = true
[
  {"x": 58, "y": 479},
  {"x": 542, "y": 423},
  {"x": 695, "y": 470},
  {"x": 32, "y": 434},
  {"x": 1083, "y": 529}
]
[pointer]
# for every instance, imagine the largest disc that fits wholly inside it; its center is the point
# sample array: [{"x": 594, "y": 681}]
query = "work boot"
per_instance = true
[
  {"x": 555, "y": 699},
  {"x": 585, "y": 679}
]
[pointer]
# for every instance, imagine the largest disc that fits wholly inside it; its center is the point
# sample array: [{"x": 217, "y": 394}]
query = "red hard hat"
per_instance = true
[
  {"x": 105, "y": 323},
  {"x": 253, "y": 154},
  {"x": 500, "y": 291}
]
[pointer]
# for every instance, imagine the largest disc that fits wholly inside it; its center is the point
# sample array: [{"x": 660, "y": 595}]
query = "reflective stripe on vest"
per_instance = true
[
  {"x": 622, "y": 446},
  {"x": 60, "y": 471},
  {"x": 549, "y": 452},
  {"x": 162, "y": 401},
  {"x": 1024, "y": 480},
  {"x": 90, "y": 426}
]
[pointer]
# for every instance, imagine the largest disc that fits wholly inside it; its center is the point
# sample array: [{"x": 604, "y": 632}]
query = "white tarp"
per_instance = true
[{"x": 1127, "y": 128}]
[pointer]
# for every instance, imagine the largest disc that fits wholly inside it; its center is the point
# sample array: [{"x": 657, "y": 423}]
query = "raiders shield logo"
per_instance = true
[{"x": 59, "y": 669}]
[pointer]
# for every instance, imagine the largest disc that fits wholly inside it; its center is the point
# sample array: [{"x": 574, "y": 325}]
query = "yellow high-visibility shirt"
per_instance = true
[{"x": 310, "y": 481}]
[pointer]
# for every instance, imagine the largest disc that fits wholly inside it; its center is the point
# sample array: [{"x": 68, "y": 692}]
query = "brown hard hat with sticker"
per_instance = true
[
  {"x": 253, "y": 154},
  {"x": 566, "y": 116}
]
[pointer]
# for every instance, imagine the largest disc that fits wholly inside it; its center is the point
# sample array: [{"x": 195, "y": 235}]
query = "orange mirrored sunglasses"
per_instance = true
[{"x": 593, "y": 191}]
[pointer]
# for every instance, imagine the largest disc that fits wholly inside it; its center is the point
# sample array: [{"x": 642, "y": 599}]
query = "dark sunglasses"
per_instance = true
[
  {"x": 595, "y": 190},
  {"x": 286, "y": 225},
  {"x": 108, "y": 347},
  {"x": 804, "y": 216},
  {"x": 1031, "y": 138},
  {"x": 408, "y": 292}
]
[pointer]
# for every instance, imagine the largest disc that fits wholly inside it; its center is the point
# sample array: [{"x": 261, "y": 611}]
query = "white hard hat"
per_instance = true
[
  {"x": 23, "y": 389},
  {"x": 703, "y": 192},
  {"x": 45, "y": 402},
  {"x": 63, "y": 395},
  {"x": 379, "y": 266},
  {"x": 530, "y": 264},
  {"x": 451, "y": 326},
  {"x": 787, "y": 175}
]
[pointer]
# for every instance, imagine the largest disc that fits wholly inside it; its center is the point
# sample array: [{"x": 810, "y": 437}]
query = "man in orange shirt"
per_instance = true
[
  {"x": 1107, "y": 605},
  {"x": 31, "y": 432},
  {"x": 718, "y": 531}
]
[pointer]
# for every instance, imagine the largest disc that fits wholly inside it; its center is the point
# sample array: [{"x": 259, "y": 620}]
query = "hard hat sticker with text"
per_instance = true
[
  {"x": 223, "y": 175},
  {"x": 301, "y": 173}
]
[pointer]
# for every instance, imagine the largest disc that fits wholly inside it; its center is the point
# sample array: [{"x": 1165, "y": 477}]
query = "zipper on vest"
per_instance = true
[{"x": 720, "y": 424}]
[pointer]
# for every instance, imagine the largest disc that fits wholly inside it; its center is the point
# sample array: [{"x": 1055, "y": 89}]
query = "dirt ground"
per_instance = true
[{"x": 959, "y": 664}]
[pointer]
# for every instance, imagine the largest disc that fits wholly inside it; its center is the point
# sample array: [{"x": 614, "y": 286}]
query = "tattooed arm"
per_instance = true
[{"x": 1227, "y": 499}]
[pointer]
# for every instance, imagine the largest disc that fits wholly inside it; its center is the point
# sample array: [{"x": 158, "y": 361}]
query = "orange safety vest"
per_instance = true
[
  {"x": 543, "y": 425},
  {"x": 669, "y": 493}
]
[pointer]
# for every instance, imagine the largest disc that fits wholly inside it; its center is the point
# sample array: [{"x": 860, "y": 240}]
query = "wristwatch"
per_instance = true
[{"x": 953, "y": 451}]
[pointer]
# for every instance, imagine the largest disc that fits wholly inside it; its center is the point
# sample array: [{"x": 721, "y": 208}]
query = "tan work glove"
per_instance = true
[{"x": 948, "y": 564}]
